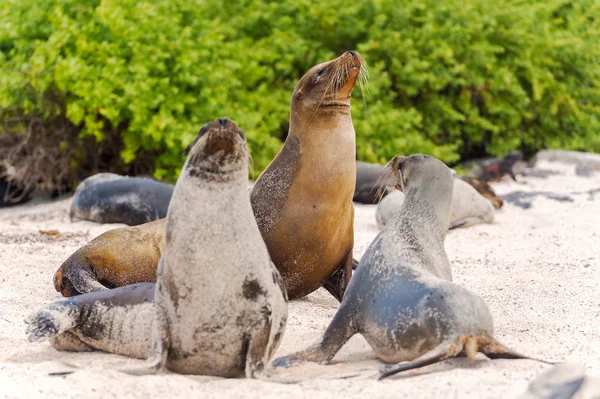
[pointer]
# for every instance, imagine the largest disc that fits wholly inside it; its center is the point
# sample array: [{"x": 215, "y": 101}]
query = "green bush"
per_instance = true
[{"x": 450, "y": 78}]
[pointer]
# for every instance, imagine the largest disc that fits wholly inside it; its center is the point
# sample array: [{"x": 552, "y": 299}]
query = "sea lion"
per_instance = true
[
  {"x": 303, "y": 200},
  {"x": 401, "y": 297},
  {"x": 111, "y": 198},
  {"x": 468, "y": 207},
  {"x": 118, "y": 257},
  {"x": 219, "y": 306}
]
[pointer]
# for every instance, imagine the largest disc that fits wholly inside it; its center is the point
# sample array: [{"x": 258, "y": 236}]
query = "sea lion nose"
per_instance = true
[
  {"x": 352, "y": 53},
  {"x": 223, "y": 121}
]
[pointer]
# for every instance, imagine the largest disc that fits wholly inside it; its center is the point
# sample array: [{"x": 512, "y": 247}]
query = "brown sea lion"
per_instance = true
[
  {"x": 402, "y": 298},
  {"x": 115, "y": 258},
  {"x": 219, "y": 306},
  {"x": 303, "y": 200}
]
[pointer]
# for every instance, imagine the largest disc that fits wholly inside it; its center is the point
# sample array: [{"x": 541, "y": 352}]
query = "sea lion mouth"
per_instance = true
[{"x": 219, "y": 149}]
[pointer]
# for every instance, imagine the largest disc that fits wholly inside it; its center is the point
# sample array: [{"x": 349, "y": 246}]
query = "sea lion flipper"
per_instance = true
[
  {"x": 51, "y": 320},
  {"x": 340, "y": 330},
  {"x": 258, "y": 351},
  {"x": 494, "y": 349},
  {"x": 336, "y": 283},
  {"x": 443, "y": 351},
  {"x": 76, "y": 275}
]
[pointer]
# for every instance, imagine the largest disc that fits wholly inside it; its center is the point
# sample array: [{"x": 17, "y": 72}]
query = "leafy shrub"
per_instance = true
[{"x": 453, "y": 79}]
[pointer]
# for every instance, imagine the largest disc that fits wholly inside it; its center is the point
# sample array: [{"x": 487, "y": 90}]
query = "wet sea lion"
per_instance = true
[
  {"x": 401, "y": 297},
  {"x": 118, "y": 257},
  {"x": 468, "y": 207},
  {"x": 111, "y": 198},
  {"x": 303, "y": 200},
  {"x": 219, "y": 305}
]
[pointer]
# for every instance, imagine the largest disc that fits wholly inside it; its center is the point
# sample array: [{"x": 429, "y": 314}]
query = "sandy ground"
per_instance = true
[{"x": 537, "y": 268}]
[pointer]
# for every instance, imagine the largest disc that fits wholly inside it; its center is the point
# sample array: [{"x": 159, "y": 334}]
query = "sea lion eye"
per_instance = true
[{"x": 321, "y": 72}]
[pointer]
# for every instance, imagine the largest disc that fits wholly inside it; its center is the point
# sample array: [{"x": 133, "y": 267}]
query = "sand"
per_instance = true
[{"x": 537, "y": 268}]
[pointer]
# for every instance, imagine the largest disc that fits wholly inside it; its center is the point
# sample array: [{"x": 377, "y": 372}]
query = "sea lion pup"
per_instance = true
[
  {"x": 111, "y": 198},
  {"x": 116, "y": 258},
  {"x": 303, "y": 200},
  {"x": 401, "y": 297},
  {"x": 219, "y": 306}
]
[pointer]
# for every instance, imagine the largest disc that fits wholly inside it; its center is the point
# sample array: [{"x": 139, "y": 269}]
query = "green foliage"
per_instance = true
[{"x": 452, "y": 78}]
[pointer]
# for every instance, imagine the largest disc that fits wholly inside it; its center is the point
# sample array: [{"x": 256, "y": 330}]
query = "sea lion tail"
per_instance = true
[
  {"x": 443, "y": 351},
  {"x": 51, "y": 320},
  {"x": 494, "y": 349}
]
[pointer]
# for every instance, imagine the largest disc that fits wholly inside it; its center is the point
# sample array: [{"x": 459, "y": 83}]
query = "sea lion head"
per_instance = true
[
  {"x": 219, "y": 150},
  {"x": 327, "y": 87},
  {"x": 426, "y": 179}
]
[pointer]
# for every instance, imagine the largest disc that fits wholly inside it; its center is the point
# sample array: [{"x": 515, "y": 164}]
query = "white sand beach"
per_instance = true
[{"x": 537, "y": 268}]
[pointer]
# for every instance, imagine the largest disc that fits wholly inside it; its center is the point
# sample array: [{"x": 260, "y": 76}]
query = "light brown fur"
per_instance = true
[
  {"x": 303, "y": 200},
  {"x": 116, "y": 258}
]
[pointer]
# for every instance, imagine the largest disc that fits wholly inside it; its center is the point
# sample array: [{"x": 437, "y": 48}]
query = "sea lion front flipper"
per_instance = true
[
  {"x": 336, "y": 283},
  {"x": 340, "y": 330},
  {"x": 77, "y": 273},
  {"x": 258, "y": 351}
]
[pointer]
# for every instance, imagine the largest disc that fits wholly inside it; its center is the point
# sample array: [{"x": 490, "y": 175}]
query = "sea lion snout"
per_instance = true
[{"x": 219, "y": 147}]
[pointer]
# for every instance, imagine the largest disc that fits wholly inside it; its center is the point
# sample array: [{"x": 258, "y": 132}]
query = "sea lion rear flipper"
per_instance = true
[
  {"x": 496, "y": 350},
  {"x": 336, "y": 283},
  {"x": 443, "y": 351},
  {"x": 51, "y": 320}
]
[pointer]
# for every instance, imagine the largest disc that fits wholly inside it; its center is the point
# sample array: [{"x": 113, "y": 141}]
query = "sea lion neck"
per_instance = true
[
  {"x": 434, "y": 197},
  {"x": 315, "y": 129}
]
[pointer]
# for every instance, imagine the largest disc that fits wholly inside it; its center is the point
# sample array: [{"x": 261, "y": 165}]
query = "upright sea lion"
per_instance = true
[
  {"x": 303, "y": 200},
  {"x": 468, "y": 207},
  {"x": 401, "y": 298},
  {"x": 219, "y": 306},
  {"x": 110, "y": 198}
]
